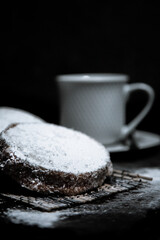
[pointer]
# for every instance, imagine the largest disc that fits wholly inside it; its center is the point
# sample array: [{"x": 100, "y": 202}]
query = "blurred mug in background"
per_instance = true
[{"x": 95, "y": 104}]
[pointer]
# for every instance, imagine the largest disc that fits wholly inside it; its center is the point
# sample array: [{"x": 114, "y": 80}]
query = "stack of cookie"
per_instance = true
[{"x": 48, "y": 158}]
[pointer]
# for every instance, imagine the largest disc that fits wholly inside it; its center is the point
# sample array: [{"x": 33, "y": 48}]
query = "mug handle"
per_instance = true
[{"x": 128, "y": 88}]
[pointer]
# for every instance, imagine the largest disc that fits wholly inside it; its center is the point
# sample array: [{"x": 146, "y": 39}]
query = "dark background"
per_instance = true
[{"x": 40, "y": 42}]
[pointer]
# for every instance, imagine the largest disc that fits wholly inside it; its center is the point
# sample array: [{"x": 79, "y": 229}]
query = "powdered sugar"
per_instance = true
[
  {"x": 10, "y": 115},
  {"x": 31, "y": 217},
  {"x": 56, "y": 148}
]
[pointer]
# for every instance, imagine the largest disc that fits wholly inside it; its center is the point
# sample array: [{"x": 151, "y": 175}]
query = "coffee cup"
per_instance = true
[{"x": 95, "y": 104}]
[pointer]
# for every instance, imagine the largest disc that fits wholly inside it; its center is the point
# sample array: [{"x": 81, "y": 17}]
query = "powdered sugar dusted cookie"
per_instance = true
[
  {"x": 48, "y": 158},
  {"x": 10, "y": 115}
]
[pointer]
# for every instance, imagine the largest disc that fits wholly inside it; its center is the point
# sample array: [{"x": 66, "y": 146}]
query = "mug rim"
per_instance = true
[{"x": 92, "y": 77}]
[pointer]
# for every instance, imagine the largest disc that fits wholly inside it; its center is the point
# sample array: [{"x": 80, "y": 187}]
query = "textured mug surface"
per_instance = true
[{"x": 94, "y": 104}]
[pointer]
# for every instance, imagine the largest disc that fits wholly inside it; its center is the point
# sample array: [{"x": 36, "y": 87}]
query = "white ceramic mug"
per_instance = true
[{"x": 95, "y": 104}]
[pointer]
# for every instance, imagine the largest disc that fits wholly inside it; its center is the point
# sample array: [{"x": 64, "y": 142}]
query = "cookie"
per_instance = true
[{"x": 48, "y": 158}]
